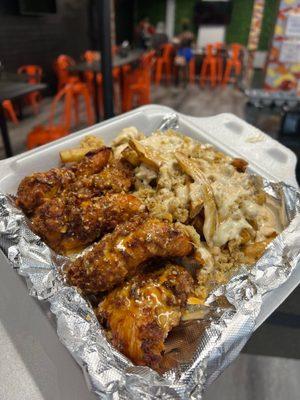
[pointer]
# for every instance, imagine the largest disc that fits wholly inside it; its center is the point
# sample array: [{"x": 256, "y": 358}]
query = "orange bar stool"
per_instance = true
[
  {"x": 91, "y": 56},
  {"x": 9, "y": 108},
  {"x": 34, "y": 75},
  {"x": 40, "y": 135},
  {"x": 165, "y": 61},
  {"x": 219, "y": 47},
  {"x": 61, "y": 65},
  {"x": 192, "y": 70},
  {"x": 127, "y": 75},
  {"x": 209, "y": 64},
  {"x": 138, "y": 83},
  {"x": 70, "y": 93},
  {"x": 43, "y": 134},
  {"x": 233, "y": 63}
]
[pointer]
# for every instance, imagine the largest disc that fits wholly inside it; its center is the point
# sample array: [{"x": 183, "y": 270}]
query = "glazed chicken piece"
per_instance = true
[
  {"x": 140, "y": 314},
  {"x": 36, "y": 188},
  {"x": 69, "y": 223},
  {"x": 116, "y": 177},
  {"x": 119, "y": 255}
]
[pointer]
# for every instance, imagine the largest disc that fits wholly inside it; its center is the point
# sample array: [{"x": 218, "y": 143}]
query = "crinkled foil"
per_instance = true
[{"x": 197, "y": 351}]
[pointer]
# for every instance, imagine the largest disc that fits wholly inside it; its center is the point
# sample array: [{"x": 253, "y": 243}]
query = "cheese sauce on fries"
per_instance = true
[{"x": 230, "y": 217}]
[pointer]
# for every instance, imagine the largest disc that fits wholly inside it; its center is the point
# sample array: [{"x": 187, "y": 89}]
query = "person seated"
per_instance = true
[
  {"x": 160, "y": 37},
  {"x": 184, "y": 43},
  {"x": 143, "y": 33}
]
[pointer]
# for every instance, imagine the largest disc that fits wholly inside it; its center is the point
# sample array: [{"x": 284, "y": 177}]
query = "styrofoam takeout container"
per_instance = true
[{"x": 226, "y": 132}]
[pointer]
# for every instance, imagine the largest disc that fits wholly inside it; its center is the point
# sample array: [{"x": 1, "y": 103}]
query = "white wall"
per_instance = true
[
  {"x": 210, "y": 34},
  {"x": 170, "y": 17}
]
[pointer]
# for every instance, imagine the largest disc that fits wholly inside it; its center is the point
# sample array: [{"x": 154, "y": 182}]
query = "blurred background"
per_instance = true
[{"x": 67, "y": 64}]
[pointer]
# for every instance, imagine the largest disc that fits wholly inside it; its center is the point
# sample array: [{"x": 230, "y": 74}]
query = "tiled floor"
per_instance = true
[{"x": 250, "y": 377}]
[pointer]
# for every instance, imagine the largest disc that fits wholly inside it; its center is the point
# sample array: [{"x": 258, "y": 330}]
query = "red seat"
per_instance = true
[
  {"x": 164, "y": 62},
  {"x": 40, "y": 135},
  {"x": 192, "y": 70},
  {"x": 70, "y": 93},
  {"x": 209, "y": 67},
  {"x": 61, "y": 65},
  {"x": 91, "y": 56},
  {"x": 138, "y": 82},
  {"x": 34, "y": 76},
  {"x": 219, "y": 46},
  {"x": 9, "y": 108},
  {"x": 233, "y": 63}
]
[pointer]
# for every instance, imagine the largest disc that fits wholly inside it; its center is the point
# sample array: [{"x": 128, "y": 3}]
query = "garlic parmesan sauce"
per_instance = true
[{"x": 235, "y": 193}]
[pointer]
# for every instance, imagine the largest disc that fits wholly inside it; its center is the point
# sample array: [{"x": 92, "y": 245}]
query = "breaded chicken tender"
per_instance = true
[
  {"x": 119, "y": 255},
  {"x": 69, "y": 223},
  {"x": 35, "y": 189},
  {"x": 140, "y": 314}
]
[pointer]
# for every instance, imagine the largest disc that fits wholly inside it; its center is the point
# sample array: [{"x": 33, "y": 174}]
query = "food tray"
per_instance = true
[{"x": 226, "y": 132}]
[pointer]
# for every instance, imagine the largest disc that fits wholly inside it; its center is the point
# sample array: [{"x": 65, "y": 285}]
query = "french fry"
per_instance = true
[
  {"x": 76, "y": 154},
  {"x": 73, "y": 155}
]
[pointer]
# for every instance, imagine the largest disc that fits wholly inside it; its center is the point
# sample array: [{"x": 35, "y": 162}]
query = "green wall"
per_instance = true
[
  {"x": 269, "y": 20},
  {"x": 184, "y": 10},
  {"x": 155, "y": 10},
  {"x": 239, "y": 27}
]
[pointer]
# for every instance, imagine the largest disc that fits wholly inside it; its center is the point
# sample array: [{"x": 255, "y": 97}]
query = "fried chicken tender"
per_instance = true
[
  {"x": 116, "y": 177},
  {"x": 38, "y": 187},
  {"x": 120, "y": 254},
  {"x": 69, "y": 223},
  {"x": 140, "y": 314}
]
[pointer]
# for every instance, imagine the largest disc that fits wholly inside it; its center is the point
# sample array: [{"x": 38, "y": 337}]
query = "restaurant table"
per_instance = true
[
  {"x": 117, "y": 61},
  {"x": 10, "y": 90}
]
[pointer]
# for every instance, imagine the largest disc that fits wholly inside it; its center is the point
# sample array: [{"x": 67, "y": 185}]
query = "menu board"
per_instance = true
[
  {"x": 293, "y": 25},
  {"x": 283, "y": 65},
  {"x": 290, "y": 52}
]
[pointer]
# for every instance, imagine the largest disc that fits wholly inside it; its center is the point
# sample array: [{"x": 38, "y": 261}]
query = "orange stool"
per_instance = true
[
  {"x": 34, "y": 75},
  {"x": 219, "y": 46},
  {"x": 70, "y": 92},
  {"x": 192, "y": 70},
  {"x": 9, "y": 108},
  {"x": 44, "y": 134},
  {"x": 164, "y": 61},
  {"x": 61, "y": 65},
  {"x": 91, "y": 56},
  {"x": 233, "y": 64},
  {"x": 209, "y": 63},
  {"x": 126, "y": 71},
  {"x": 138, "y": 83}
]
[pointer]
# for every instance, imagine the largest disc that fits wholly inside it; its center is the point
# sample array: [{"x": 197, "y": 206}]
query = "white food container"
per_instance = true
[{"x": 30, "y": 350}]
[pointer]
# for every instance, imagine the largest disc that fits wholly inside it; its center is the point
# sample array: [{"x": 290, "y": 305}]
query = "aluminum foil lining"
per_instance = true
[{"x": 197, "y": 351}]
